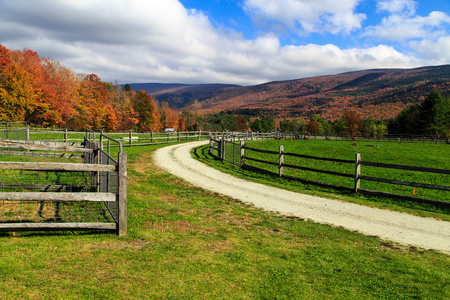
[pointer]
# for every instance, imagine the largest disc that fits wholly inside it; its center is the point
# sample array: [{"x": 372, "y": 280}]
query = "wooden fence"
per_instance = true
[
  {"x": 241, "y": 158},
  {"x": 93, "y": 190}
]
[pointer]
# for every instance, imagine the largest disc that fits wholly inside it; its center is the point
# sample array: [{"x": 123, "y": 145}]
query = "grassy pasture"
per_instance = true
[
  {"x": 186, "y": 243},
  {"x": 428, "y": 155}
]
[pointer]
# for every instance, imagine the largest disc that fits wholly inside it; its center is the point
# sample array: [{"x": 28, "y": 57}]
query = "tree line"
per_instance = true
[
  {"x": 44, "y": 93},
  {"x": 431, "y": 117}
]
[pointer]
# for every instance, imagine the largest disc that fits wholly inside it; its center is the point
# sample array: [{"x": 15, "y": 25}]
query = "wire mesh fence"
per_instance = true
[
  {"x": 45, "y": 181},
  {"x": 13, "y": 130}
]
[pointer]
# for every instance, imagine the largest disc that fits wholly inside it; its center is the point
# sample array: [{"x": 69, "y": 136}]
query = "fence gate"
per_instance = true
[{"x": 40, "y": 190}]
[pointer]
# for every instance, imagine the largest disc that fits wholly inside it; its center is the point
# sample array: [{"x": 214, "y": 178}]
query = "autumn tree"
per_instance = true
[
  {"x": 190, "y": 120},
  {"x": 91, "y": 107},
  {"x": 353, "y": 123},
  {"x": 45, "y": 93},
  {"x": 121, "y": 102},
  {"x": 240, "y": 123},
  {"x": 167, "y": 117},
  {"x": 380, "y": 130},
  {"x": 148, "y": 115},
  {"x": 18, "y": 92},
  {"x": 34, "y": 89},
  {"x": 313, "y": 127},
  {"x": 59, "y": 92}
]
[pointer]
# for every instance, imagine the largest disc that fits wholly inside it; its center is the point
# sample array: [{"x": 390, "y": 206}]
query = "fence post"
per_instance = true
[
  {"x": 210, "y": 145},
  {"x": 130, "y": 138},
  {"x": 101, "y": 140},
  {"x": 168, "y": 136},
  {"x": 219, "y": 149},
  {"x": 223, "y": 148},
  {"x": 27, "y": 134},
  {"x": 151, "y": 136},
  {"x": 242, "y": 153},
  {"x": 65, "y": 135},
  {"x": 281, "y": 161},
  {"x": 178, "y": 136},
  {"x": 357, "y": 171},
  {"x": 122, "y": 195}
]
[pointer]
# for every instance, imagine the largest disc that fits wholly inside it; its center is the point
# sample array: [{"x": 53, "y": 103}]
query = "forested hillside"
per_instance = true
[
  {"x": 179, "y": 95},
  {"x": 380, "y": 94},
  {"x": 43, "y": 92}
]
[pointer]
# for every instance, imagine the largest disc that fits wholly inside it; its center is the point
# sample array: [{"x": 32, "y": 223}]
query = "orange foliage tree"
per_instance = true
[
  {"x": 17, "y": 91},
  {"x": 45, "y": 93},
  {"x": 121, "y": 102},
  {"x": 168, "y": 118},
  {"x": 148, "y": 115}
]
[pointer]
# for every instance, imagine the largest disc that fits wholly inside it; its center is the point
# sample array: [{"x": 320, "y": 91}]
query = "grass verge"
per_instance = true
[{"x": 186, "y": 243}]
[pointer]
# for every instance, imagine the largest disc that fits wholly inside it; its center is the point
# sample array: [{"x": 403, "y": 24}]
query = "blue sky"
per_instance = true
[{"x": 228, "y": 41}]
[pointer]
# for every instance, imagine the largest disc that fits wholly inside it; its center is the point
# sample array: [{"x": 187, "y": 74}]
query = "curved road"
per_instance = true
[{"x": 402, "y": 228}]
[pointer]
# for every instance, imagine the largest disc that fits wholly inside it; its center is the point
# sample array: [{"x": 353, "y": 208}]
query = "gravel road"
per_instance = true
[{"x": 402, "y": 228}]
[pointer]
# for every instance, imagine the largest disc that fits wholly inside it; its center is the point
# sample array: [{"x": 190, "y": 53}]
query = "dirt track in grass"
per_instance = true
[{"x": 398, "y": 227}]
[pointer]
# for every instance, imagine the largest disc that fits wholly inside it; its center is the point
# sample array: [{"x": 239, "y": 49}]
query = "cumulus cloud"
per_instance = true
[
  {"x": 407, "y": 7},
  {"x": 308, "y": 16},
  {"x": 403, "y": 24},
  {"x": 433, "y": 51},
  {"x": 162, "y": 41}
]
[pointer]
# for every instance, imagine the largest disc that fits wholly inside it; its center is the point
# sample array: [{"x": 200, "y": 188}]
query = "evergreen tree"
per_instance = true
[
  {"x": 256, "y": 125},
  {"x": 435, "y": 115},
  {"x": 127, "y": 88}
]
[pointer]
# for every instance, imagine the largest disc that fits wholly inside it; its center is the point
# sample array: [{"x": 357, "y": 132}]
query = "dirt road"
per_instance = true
[{"x": 402, "y": 228}]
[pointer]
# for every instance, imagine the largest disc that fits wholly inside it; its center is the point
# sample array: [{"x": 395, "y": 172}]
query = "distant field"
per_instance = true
[{"x": 428, "y": 155}]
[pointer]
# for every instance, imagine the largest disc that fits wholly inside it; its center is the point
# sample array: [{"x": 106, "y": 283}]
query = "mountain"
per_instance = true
[
  {"x": 379, "y": 93},
  {"x": 179, "y": 95}
]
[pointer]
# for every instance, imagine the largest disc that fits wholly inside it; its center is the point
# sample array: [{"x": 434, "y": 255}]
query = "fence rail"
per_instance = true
[
  {"x": 217, "y": 146},
  {"x": 61, "y": 195}
]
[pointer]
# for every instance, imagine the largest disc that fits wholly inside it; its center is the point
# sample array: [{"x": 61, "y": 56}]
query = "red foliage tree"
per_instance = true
[{"x": 353, "y": 123}]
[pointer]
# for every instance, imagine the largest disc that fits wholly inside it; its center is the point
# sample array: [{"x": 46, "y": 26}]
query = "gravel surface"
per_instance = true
[{"x": 402, "y": 228}]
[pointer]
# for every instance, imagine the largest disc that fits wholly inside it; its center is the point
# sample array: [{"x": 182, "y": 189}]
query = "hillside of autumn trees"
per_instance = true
[
  {"x": 179, "y": 95},
  {"x": 379, "y": 94},
  {"x": 43, "y": 92}
]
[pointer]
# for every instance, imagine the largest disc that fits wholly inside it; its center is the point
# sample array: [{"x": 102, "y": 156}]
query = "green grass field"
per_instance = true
[
  {"x": 428, "y": 155},
  {"x": 186, "y": 243}
]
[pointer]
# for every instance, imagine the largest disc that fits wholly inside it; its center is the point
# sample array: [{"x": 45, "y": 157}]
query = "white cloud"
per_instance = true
[
  {"x": 313, "y": 16},
  {"x": 407, "y": 7},
  {"x": 399, "y": 27},
  {"x": 162, "y": 41},
  {"x": 434, "y": 51}
]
